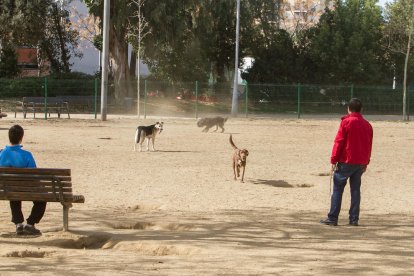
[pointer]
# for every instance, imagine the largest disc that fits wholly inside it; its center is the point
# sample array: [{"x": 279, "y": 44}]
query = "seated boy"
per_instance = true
[{"x": 15, "y": 156}]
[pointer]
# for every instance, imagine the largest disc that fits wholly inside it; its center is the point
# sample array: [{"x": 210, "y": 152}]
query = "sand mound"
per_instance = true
[
  {"x": 149, "y": 248},
  {"x": 28, "y": 254},
  {"x": 153, "y": 226},
  {"x": 84, "y": 242}
]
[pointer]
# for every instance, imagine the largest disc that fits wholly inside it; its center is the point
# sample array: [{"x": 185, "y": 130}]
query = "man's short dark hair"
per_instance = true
[
  {"x": 16, "y": 133},
  {"x": 355, "y": 105}
]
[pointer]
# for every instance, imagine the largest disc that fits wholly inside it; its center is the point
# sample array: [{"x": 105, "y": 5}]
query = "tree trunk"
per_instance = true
[
  {"x": 138, "y": 80},
  {"x": 407, "y": 57},
  {"x": 119, "y": 54},
  {"x": 132, "y": 63},
  {"x": 63, "y": 52}
]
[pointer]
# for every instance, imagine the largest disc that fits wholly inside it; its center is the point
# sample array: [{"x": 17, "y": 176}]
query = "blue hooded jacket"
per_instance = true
[{"x": 15, "y": 156}]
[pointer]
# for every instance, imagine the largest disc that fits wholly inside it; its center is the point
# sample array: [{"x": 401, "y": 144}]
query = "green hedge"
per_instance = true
[{"x": 35, "y": 87}]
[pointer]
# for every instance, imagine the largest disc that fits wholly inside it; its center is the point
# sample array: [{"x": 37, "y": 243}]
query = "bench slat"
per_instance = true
[
  {"x": 78, "y": 199},
  {"x": 35, "y": 171},
  {"x": 35, "y": 189},
  {"x": 29, "y": 196},
  {"x": 23, "y": 178},
  {"x": 48, "y": 198},
  {"x": 33, "y": 183}
]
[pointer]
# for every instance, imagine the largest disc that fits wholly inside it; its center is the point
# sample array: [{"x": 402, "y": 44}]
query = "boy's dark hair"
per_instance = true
[
  {"x": 355, "y": 105},
  {"x": 16, "y": 133}
]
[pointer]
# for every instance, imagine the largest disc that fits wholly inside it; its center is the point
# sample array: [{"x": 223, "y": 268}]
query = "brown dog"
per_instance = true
[
  {"x": 239, "y": 160},
  {"x": 210, "y": 122}
]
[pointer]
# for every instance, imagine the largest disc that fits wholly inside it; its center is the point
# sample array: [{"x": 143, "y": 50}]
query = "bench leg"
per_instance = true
[{"x": 66, "y": 216}]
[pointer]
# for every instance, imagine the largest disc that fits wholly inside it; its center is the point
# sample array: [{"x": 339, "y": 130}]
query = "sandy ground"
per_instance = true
[{"x": 178, "y": 211}]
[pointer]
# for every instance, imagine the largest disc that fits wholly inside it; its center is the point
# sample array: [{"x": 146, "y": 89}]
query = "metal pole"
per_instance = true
[
  {"x": 196, "y": 101},
  {"x": 138, "y": 55},
  {"x": 138, "y": 84},
  {"x": 247, "y": 97},
  {"x": 95, "y": 98},
  {"x": 352, "y": 91},
  {"x": 408, "y": 102},
  {"x": 105, "y": 60},
  {"x": 236, "y": 64},
  {"x": 145, "y": 99},
  {"x": 45, "y": 98},
  {"x": 298, "y": 100}
]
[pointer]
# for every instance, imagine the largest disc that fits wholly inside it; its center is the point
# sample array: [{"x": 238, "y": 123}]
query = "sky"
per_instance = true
[{"x": 382, "y": 2}]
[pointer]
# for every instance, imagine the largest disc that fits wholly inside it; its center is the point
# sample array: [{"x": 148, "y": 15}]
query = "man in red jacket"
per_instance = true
[{"x": 350, "y": 157}]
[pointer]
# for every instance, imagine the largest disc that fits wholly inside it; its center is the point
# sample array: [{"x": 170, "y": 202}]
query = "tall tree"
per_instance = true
[
  {"x": 172, "y": 51},
  {"x": 345, "y": 45},
  {"x": 8, "y": 62},
  {"x": 118, "y": 43},
  {"x": 399, "y": 34},
  {"x": 138, "y": 29},
  {"x": 274, "y": 63},
  {"x": 196, "y": 39},
  {"x": 43, "y": 24},
  {"x": 299, "y": 15}
]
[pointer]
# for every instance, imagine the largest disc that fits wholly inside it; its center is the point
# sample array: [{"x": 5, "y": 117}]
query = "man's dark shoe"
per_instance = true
[
  {"x": 329, "y": 222},
  {"x": 31, "y": 230},
  {"x": 20, "y": 229},
  {"x": 353, "y": 223}
]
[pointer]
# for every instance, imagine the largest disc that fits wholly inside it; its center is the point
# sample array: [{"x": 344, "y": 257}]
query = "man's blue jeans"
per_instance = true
[{"x": 341, "y": 175}]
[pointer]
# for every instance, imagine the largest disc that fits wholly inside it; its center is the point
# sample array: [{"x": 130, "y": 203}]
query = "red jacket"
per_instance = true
[{"x": 353, "y": 142}]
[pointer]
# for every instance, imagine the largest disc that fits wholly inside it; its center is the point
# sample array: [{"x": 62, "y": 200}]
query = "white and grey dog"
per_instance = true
[{"x": 149, "y": 133}]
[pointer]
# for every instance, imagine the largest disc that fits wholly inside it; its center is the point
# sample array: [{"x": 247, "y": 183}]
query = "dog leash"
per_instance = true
[{"x": 330, "y": 179}]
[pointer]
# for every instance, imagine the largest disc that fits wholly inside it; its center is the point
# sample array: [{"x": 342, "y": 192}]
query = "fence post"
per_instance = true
[
  {"x": 196, "y": 101},
  {"x": 352, "y": 91},
  {"x": 247, "y": 97},
  {"x": 96, "y": 97},
  {"x": 408, "y": 103},
  {"x": 145, "y": 99},
  {"x": 298, "y": 100},
  {"x": 45, "y": 98}
]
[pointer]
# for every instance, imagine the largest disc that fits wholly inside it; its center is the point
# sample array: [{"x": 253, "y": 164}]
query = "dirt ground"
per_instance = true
[{"x": 178, "y": 211}]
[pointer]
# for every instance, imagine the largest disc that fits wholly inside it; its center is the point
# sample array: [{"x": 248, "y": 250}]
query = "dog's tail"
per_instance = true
[
  {"x": 232, "y": 143},
  {"x": 137, "y": 135},
  {"x": 225, "y": 119}
]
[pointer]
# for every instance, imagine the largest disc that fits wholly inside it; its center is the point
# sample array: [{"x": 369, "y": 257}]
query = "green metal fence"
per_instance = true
[{"x": 198, "y": 99}]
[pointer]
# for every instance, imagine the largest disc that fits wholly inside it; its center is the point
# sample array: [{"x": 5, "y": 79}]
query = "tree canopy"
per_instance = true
[
  {"x": 354, "y": 41},
  {"x": 43, "y": 24}
]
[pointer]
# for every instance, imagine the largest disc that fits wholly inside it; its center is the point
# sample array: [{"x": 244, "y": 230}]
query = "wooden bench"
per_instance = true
[
  {"x": 2, "y": 114},
  {"x": 38, "y": 104},
  {"x": 38, "y": 184}
]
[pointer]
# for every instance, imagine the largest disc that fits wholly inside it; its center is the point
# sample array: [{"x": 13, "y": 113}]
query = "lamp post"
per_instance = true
[
  {"x": 234, "y": 107},
  {"x": 105, "y": 61}
]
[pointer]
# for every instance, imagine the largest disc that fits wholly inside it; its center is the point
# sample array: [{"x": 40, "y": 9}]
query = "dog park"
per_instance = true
[
  {"x": 178, "y": 211},
  {"x": 206, "y": 137}
]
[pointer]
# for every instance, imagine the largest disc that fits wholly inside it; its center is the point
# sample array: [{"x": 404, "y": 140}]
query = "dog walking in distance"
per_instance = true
[
  {"x": 239, "y": 160},
  {"x": 210, "y": 122},
  {"x": 149, "y": 133}
]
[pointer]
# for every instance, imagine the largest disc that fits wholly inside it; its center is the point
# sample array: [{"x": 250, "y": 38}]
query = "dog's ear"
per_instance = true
[{"x": 162, "y": 123}]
